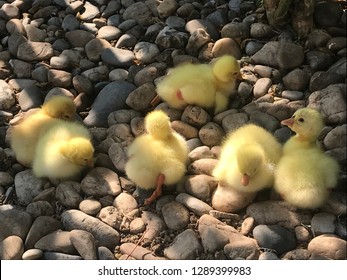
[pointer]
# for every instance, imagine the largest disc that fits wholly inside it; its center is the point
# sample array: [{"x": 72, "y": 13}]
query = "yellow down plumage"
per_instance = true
[
  {"x": 305, "y": 174},
  {"x": 247, "y": 159},
  {"x": 25, "y": 134},
  {"x": 157, "y": 157},
  {"x": 63, "y": 151},
  {"x": 205, "y": 85}
]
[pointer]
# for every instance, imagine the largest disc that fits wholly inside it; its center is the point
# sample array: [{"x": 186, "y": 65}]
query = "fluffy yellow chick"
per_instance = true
[
  {"x": 305, "y": 174},
  {"x": 25, "y": 134},
  {"x": 206, "y": 85},
  {"x": 247, "y": 159},
  {"x": 157, "y": 157},
  {"x": 63, "y": 151}
]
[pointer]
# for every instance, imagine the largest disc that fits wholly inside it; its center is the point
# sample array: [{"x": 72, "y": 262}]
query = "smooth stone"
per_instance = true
[
  {"x": 281, "y": 213},
  {"x": 296, "y": 254},
  {"x": 30, "y": 97},
  {"x": 5, "y": 179},
  {"x": 186, "y": 130},
  {"x": 227, "y": 199},
  {"x": 106, "y": 180},
  {"x": 244, "y": 248},
  {"x": 84, "y": 243},
  {"x": 90, "y": 206},
  {"x": 211, "y": 134},
  {"x": 40, "y": 208},
  {"x": 41, "y": 227},
  {"x": 185, "y": 246},
  {"x": 268, "y": 256},
  {"x": 68, "y": 194},
  {"x": 197, "y": 39},
  {"x": 27, "y": 186},
  {"x": 302, "y": 233},
  {"x": 34, "y": 51},
  {"x": 274, "y": 237},
  {"x": 200, "y": 152},
  {"x": 11, "y": 248},
  {"x": 292, "y": 95},
  {"x": 32, "y": 254},
  {"x": 233, "y": 121},
  {"x": 104, "y": 234},
  {"x": 336, "y": 138},
  {"x": 125, "y": 203},
  {"x": 322, "y": 223},
  {"x": 194, "y": 204},
  {"x": 175, "y": 215},
  {"x": 296, "y": 80},
  {"x": 118, "y": 157},
  {"x": 117, "y": 57},
  {"x": 111, "y": 98},
  {"x": 58, "y": 241},
  {"x": 202, "y": 166},
  {"x": 105, "y": 254},
  {"x": 226, "y": 46},
  {"x": 195, "y": 116},
  {"x": 137, "y": 226},
  {"x": 200, "y": 186},
  {"x": 140, "y": 99},
  {"x": 78, "y": 38},
  {"x": 140, "y": 12},
  {"x": 60, "y": 256},
  {"x": 205, "y": 24},
  {"x": 261, "y": 87},
  {"x": 109, "y": 33},
  {"x": 328, "y": 245}
]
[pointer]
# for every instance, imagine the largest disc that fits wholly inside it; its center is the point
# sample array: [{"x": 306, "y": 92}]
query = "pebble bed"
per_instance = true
[{"x": 108, "y": 55}]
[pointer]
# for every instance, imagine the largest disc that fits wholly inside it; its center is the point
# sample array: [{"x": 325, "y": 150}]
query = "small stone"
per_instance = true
[
  {"x": 105, "y": 254},
  {"x": 68, "y": 194},
  {"x": 125, "y": 202},
  {"x": 84, "y": 243},
  {"x": 185, "y": 246},
  {"x": 202, "y": 166},
  {"x": 195, "y": 116},
  {"x": 328, "y": 245},
  {"x": 247, "y": 225},
  {"x": 175, "y": 215},
  {"x": 90, "y": 206},
  {"x": 302, "y": 234},
  {"x": 274, "y": 237},
  {"x": 34, "y": 51},
  {"x": 261, "y": 87},
  {"x": 11, "y": 248},
  {"x": 58, "y": 241},
  {"x": 193, "y": 204},
  {"x": 186, "y": 130},
  {"x": 137, "y": 226},
  {"x": 200, "y": 186},
  {"x": 211, "y": 134},
  {"x": 322, "y": 223},
  {"x": 32, "y": 254}
]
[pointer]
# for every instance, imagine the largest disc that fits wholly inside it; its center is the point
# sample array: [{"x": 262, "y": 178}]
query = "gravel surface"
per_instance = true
[{"x": 108, "y": 55}]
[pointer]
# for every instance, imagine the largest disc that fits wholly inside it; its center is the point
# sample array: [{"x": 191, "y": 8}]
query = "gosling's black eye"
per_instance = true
[{"x": 301, "y": 120}]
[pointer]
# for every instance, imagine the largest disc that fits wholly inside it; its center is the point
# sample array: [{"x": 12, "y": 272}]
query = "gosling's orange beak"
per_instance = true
[
  {"x": 245, "y": 180},
  {"x": 288, "y": 122}
]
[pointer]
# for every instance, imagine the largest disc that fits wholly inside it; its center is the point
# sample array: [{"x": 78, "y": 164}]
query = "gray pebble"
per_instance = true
[
  {"x": 58, "y": 241},
  {"x": 200, "y": 186},
  {"x": 7, "y": 98},
  {"x": 34, "y": 51},
  {"x": 68, "y": 194},
  {"x": 84, "y": 243},
  {"x": 211, "y": 134},
  {"x": 193, "y": 204},
  {"x": 125, "y": 203},
  {"x": 323, "y": 223},
  {"x": 59, "y": 256},
  {"x": 104, "y": 234},
  {"x": 39, "y": 208},
  {"x": 185, "y": 246},
  {"x": 106, "y": 180},
  {"x": 105, "y": 254},
  {"x": 175, "y": 215},
  {"x": 274, "y": 237},
  {"x": 90, "y": 206}
]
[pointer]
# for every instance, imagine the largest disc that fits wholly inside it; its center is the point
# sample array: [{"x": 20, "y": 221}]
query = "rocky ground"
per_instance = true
[{"x": 107, "y": 55}]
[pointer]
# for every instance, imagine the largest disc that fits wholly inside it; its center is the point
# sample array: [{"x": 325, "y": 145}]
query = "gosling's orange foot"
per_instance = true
[{"x": 158, "y": 190}]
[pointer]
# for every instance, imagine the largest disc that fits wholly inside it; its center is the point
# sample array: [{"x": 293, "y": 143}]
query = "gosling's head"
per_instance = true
[
  {"x": 306, "y": 123},
  {"x": 226, "y": 68},
  {"x": 157, "y": 123},
  {"x": 60, "y": 106},
  {"x": 249, "y": 161}
]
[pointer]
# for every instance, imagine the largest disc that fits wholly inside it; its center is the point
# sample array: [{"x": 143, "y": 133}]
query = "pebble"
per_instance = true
[
  {"x": 41, "y": 227},
  {"x": 274, "y": 237},
  {"x": 185, "y": 246},
  {"x": 58, "y": 241},
  {"x": 322, "y": 223},
  {"x": 104, "y": 234},
  {"x": 90, "y": 206},
  {"x": 281, "y": 213},
  {"x": 32, "y": 254},
  {"x": 200, "y": 186},
  {"x": 14, "y": 221},
  {"x": 106, "y": 180},
  {"x": 84, "y": 243},
  {"x": 328, "y": 245},
  {"x": 108, "y": 56},
  {"x": 11, "y": 248},
  {"x": 111, "y": 98},
  {"x": 193, "y": 204}
]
